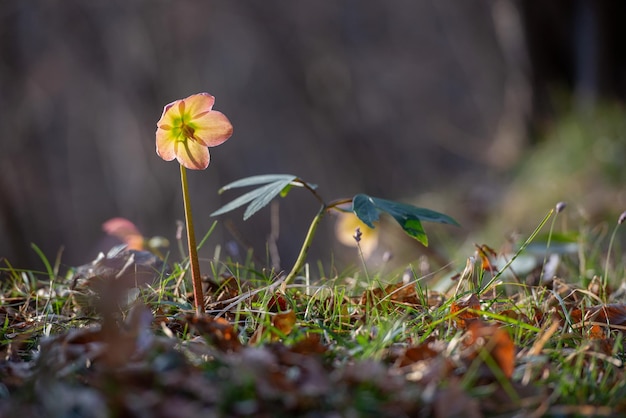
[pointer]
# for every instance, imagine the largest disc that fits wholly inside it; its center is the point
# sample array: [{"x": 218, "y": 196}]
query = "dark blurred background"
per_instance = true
[{"x": 435, "y": 102}]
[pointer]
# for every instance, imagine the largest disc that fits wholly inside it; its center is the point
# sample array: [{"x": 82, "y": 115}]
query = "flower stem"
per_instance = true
[
  {"x": 605, "y": 278},
  {"x": 198, "y": 298},
  {"x": 305, "y": 247}
]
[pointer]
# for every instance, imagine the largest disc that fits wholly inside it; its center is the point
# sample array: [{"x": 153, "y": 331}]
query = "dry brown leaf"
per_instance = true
[
  {"x": 284, "y": 321},
  {"x": 564, "y": 294},
  {"x": 497, "y": 341},
  {"x": 220, "y": 292},
  {"x": 596, "y": 333},
  {"x": 487, "y": 257},
  {"x": 598, "y": 320},
  {"x": 371, "y": 297},
  {"x": 311, "y": 344},
  {"x": 416, "y": 353},
  {"x": 460, "y": 310},
  {"x": 278, "y": 303},
  {"x": 401, "y": 293},
  {"x": 539, "y": 316},
  {"x": 218, "y": 331},
  {"x": 611, "y": 315}
]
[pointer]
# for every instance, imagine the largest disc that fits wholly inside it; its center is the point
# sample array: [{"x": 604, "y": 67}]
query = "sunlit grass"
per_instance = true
[{"x": 367, "y": 316}]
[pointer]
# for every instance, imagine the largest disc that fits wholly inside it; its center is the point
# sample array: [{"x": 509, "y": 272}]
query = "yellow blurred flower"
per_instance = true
[{"x": 349, "y": 228}]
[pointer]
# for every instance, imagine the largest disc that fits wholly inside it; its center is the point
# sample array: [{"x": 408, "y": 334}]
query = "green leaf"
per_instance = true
[
  {"x": 273, "y": 185},
  {"x": 254, "y": 180},
  {"x": 368, "y": 210},
  {"x": 241, "y": 200},
  {"x": 270, "y": 192},
  {"x": 286, "y": 190},
  {"x": 365, "y": 209}
]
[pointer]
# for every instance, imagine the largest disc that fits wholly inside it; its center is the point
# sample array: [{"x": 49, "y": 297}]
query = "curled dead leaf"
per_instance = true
[
  {"x": 220, "y": 292},
  {"x": 598, "y": 320},
  {"x": 487, "y": 257},
  {"x": 284, "y": 321},
  {"x": 611, "y": 315},
  {"x": 596, "y": 333},
  {"x": 415, "y": 354},
  {"x": 400, "y": 293},
  {"x": 217, "y": 331},
  {"x": 282, "y": 324},
  {"x": 403, "y": 293},
  {"x": 278, "y": 303},
  {"x": 460, "y": 309}
]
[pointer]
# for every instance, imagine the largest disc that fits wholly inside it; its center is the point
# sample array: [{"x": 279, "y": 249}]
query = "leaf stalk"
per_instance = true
[{"x": 305, "y": 247}]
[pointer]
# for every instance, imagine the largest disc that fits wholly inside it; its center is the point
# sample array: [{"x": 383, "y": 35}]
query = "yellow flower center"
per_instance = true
[{"x": 187, "y": 131}]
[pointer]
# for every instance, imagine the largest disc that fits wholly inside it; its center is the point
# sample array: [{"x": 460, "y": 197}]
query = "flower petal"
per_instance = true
[
  {"x": 165, "y": 144},
  {"x": 212, "y": 128},
  {"x": 171, "y": 115},
  {"x": 192, "y": 155},
  {"x": 198, "y": 104}
]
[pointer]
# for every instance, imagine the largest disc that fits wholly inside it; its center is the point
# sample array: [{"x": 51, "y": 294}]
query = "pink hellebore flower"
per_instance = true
[{"x": 187, "y": 127}]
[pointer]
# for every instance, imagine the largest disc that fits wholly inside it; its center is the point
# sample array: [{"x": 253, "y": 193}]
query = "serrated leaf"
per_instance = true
[{"x": 368, "y": 210}]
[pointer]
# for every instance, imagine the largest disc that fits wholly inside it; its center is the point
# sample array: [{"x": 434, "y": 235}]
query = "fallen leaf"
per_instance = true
[
  {"x": 278, "y": 303},
  {"x": 487, "y": 257},
  {"x": 217, "y": 331},
  {"x": 311, "y": 344},
  {"x": 496, "y": 341},
  {"x": 284, "y": 321},
  {"x": 611, "y": 315},
  {"x": 459, "y": 309},
  {"x": 598, "y": 320},
  {"x": 401, "y": 293},
  {"x": 219, "y": 292},
  {"x": 596, "y": 333},
  {"x": 416, "y": 353},
  {"x": 564, "y": 294}
]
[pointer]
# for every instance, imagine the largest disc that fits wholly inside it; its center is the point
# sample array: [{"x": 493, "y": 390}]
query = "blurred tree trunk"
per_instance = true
[
  {"x": 577, "y": 46},
  {"x": 511, "y": 133}
]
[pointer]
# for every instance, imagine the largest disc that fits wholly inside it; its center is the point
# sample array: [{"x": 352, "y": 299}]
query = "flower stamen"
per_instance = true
[{"x": 187, "y": 131}]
